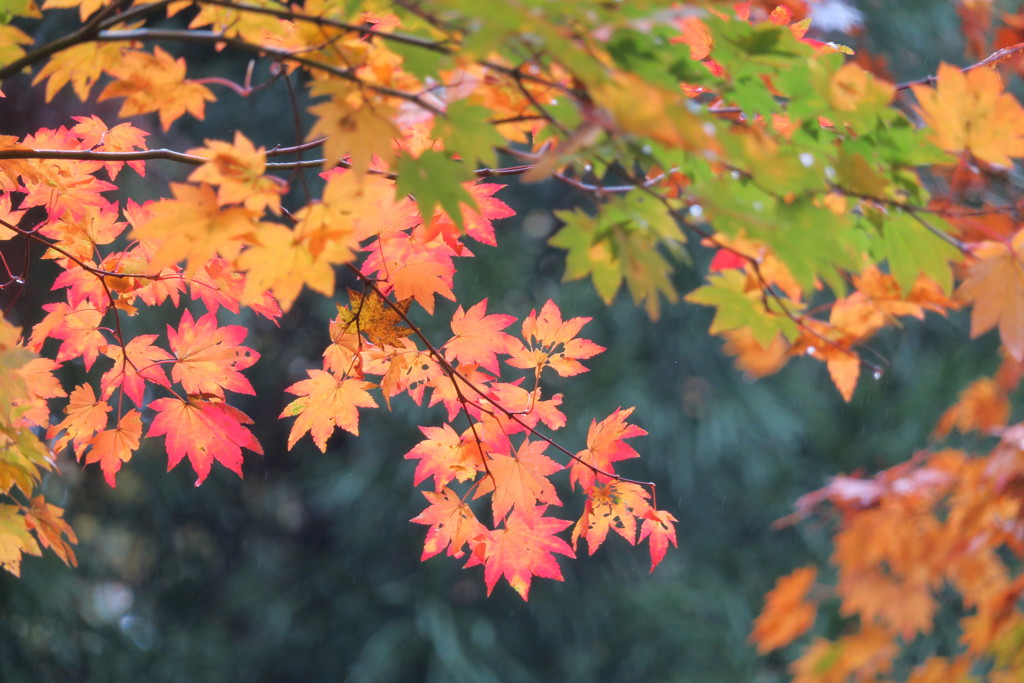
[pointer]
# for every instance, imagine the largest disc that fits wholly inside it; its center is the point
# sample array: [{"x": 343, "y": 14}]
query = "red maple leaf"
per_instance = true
[
  {"x": 134, "y": 365},
  {"x": 204, "y": 431},
  {"x": 660, "y": 528},
  {"x": 522, "y": 550}
]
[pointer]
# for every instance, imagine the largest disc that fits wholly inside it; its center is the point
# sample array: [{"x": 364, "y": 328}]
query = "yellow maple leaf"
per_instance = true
[
  {"x": 970, "y": 112},
  {"x": 15, "y": 539},
  {"x": 193, "y": 227},
  {"x": 354, "y": 127},
  {"x": 371, "y": 317},
  {"x": 85, "y": 7}
]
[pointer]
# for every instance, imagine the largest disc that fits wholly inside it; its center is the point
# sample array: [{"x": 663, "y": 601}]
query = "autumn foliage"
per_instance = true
[{"x": 835, "y": 204}]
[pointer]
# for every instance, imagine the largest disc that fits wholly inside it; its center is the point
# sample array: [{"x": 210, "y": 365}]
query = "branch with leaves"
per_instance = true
[{"x": 834, "y": 204}]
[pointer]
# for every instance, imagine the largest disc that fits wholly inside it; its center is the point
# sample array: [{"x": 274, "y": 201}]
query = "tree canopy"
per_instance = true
[{"x": 824, "y": 204}]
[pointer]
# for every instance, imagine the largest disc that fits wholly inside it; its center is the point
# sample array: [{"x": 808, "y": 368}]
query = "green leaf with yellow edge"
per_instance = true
[
  {"x": 370, "y": 316},
  {"x": 736, "y": 306},
  {"x": 434, "y": 178}
]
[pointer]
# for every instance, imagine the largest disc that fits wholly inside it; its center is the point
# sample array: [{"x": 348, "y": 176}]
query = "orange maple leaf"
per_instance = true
[
  {"x": 786, "y": 615},
  {"x": 353, "y": 127},
  {"x": 605, "y": 445},
  {"x": 478, "y": 336},
  {"x": 411, "y": 268},
  {"x": 85, "y": 416},
  {"x": 51, "y": 529},
  {"x": 615, "y": 505},
  {"x": 995, "y": 287},
  {"x": 970, "y": 112},
  {"x": 124, "y": 137},
  {"x": 521, "y": 550},
  {"x": 155, "y": 82},
  {"x": 452, "y": 524},
  {"x": 551, "y": 342},
  {"x": 326, "y": 401},
  {"x": 112, "y": 447},
  {"x": 204, "y": 431},
  {"x": 982, "y": 406},
  {"x": 15, "y": 539},
  {"x": 520, "y": 480}
]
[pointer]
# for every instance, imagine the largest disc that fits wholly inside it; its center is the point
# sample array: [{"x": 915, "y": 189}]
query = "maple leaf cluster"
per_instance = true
[{"x": 836, "y": 204}]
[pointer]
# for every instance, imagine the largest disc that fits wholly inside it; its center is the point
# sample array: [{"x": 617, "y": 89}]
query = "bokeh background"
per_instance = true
[{"x": 308, "y": 568}]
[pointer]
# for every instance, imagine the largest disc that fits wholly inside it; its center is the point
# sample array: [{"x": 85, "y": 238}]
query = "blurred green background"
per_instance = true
[{"x": 308, "y": 569}]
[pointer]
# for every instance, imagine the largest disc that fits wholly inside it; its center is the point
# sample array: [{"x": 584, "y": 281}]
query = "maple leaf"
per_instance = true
[
  {"x": 519, "y": 480},
  {"x": 15, "y": 539},
  {"x": 444, "y": 455},
  {"x": 46, "y": 520},
  {"x": 551, "y": 342},
  {"x": 659, "y": 527},
  {"x": 85, "y": 416},
  {"x": 193, "y": 227},
  {"x": 452, "y": 524},
  {"x": 786, "y": 615},
  {"x": 208, "y": 358},
  {"x": 284, "y": 264},
  {"x": 411, "y": 268},
  {"x": 478, "y": 222},
  {"x": 124, "y": 137},
  {"x": 326, "y": 401},
  {"x": 615, "y": 505},
  {"x": 354, "y": 128},
  {"x": 995, "y": 286},
  {"x": 369, "y": 315},
  {"x": 237, "y": 169},
  {"x": 82, "y": 65},
  {"x": 205, "y": 431},
  {"x": 605, "y": 445},
  {"x": 982, "y": 406},
  {"x": 112, "y": 447},
  {"x": 135, "y": 364},
  {"x": 970, "y": 112},
  {"x": 78, "y": 326},
  {"x": 521, "y": 550},
  {"x": 41, "y": 384},
  {"x": 478, "y": 336},
  {"x": 155, "y": 82}
]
